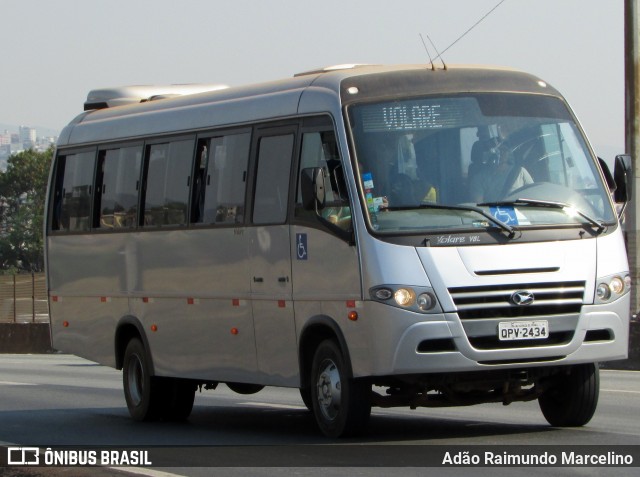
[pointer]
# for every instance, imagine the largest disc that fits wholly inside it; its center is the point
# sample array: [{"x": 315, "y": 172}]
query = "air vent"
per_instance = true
[
  {"x": 327, "y": 69},
  {"x": 122, "y": 95}
]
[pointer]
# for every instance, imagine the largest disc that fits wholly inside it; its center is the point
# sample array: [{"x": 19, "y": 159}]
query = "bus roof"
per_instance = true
[{"x": 316, "y": 91}]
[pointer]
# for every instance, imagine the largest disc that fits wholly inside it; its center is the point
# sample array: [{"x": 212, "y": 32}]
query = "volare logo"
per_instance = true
[{"x": 23, "y": 456}]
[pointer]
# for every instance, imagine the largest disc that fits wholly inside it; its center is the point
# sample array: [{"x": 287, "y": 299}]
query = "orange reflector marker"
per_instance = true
[
  {"x": 234, "y": 331},
  {"x": 353, "y": 315},
  {"x": 154, "y": 328},
  {"x": 65, "y": 324}
]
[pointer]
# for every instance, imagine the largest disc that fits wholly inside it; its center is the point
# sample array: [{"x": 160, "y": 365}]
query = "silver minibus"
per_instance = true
[{"x": 371, "y": 235}]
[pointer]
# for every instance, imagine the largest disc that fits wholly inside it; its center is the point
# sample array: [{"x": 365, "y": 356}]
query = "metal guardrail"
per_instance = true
[{"x": 23, "y": 298}]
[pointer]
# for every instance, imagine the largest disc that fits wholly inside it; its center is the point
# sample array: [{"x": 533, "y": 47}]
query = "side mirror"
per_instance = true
[
  {"x": 623, "y": 175},
  {"x": 312, "y": 186}
]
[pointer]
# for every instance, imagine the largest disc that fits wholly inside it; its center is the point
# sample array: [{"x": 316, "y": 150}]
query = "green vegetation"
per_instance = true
[{"x": 23, "y": 188}]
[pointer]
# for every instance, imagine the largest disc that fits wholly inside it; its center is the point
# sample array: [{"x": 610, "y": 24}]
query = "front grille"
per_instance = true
[
  {"x": 482, "y": 308},
  {"x": 495, "y": 301}
]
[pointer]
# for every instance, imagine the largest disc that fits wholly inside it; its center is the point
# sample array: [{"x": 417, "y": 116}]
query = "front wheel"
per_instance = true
[
  {"x": 572, "y": 399},
  {"x": 341, "y": 404}
]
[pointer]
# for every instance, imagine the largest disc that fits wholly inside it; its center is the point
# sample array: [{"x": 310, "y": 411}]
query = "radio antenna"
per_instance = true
[
  {"x": 444, "y": 65},
  {"x": 472, "y": 27},
  {"x": 433, "y": 68}
]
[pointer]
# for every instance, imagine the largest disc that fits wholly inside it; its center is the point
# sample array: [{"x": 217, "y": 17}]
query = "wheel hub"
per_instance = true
[{"x": 329, "y": 390}]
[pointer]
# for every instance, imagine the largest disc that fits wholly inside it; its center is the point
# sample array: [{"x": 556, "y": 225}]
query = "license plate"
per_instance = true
[{"x": 523, "y": 330}]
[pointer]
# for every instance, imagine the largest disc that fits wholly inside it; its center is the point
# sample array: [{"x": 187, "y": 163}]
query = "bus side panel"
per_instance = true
[
  {"x": 199, "y": 338},
  {"x": 85, "y": 326},
  {"x": 87, "y": 288},
  {"x": 326, "y": 282},
  {"x": 194, "y": 286}
]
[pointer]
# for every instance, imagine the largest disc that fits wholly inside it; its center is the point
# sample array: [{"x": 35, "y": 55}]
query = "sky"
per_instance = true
[{"x": 55, "y": 51}]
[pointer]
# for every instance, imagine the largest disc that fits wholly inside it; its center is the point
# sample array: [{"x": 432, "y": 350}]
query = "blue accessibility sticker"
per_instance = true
[
  {"x": 506, "y": 215},
  {"x": 301, "y": 246}
]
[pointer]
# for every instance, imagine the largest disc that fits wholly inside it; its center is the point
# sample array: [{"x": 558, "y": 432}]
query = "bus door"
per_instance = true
[
  {"x": 270, "y": 259},
  {"x": 325, "y": 264}
]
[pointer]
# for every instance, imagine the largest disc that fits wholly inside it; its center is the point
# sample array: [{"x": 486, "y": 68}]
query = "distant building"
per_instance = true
[{"x": 28, "y": 136}]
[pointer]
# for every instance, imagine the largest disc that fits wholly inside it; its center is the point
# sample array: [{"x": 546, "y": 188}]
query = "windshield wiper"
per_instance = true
[
  {"x": 569, "y": 209},
  {"x": 507, "y": 228}
]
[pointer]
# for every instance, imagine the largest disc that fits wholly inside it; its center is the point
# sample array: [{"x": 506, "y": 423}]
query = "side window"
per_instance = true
[
  {"x": 166, "y": 192},
  {"x": 72, "y": 192},
  {"x": 220, "y": 179},
  {"x": 117, "y": 184},
  {"x": 272, "y": 184},
  {"x": 320, "y": 149}
]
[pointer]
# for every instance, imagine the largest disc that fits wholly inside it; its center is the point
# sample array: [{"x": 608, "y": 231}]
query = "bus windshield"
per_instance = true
[{"x": 434, "y": 163}]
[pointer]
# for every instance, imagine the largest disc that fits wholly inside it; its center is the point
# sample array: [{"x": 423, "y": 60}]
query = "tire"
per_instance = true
[
  {"x": 341, "y": 404},
  {"x": 305, "y": 394},
  {"x": 573, "y": 398},
  {"x": 142, "y": 392},
  {"x": 245, "y": 388},
  {"x": 178, "y": 396}
]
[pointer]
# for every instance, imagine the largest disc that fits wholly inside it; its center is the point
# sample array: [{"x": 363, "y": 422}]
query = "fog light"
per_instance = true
[
  {"x": 426, "y": 301},
  {"x": 603, "y": 291},
  {"x": 405, "y": 297}
]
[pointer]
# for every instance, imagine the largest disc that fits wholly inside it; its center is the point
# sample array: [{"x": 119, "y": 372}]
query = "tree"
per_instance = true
[{"x": 23, "y": 188}]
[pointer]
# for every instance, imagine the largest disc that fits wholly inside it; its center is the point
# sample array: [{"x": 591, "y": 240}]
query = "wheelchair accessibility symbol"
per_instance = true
[
  {"x": 301, "y": 246},
  {"x": 506, "y": 215}
]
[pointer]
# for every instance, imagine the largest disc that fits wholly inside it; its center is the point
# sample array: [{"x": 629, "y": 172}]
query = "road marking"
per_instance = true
[
  {"x": 619, "y": 391},
  {"x": 275, "y": 406},
  {"x": 12, "y": 383},
  {"x": 143, "y": 471}
]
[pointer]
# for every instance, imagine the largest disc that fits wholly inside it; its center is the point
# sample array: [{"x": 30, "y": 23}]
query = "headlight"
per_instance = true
[
  {"x": 405, "y": 297},
  {"x": 416, "y": 299},
  {"x": 611, "y": 288}
]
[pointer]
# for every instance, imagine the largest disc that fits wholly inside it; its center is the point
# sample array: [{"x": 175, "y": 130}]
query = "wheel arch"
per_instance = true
[
  {"x": 316, "y": 330},
  {"x": 129, "y": 327}
]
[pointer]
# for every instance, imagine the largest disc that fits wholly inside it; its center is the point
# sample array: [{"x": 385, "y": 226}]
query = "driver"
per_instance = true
[{"x": 501, "y": 177}]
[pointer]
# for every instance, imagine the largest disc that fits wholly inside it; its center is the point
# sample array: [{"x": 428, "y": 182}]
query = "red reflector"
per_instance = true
[
  {"x": 282, "y": 303},
  {"x": 190, "y": 301},
  {"x": 54, "y": 298},
  {"x": 103, "y": 299},
  {"x": 154, "y": 327},
  {"x": 235, "y": 302},
  {"x": 351, "y": 303},
  {"x": 145, "y": 299},
  {"x": 65, "y": 324},
  {"x": 234, "y": 331}
]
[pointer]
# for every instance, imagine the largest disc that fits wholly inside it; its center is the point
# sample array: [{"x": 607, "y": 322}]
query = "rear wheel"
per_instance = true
[
  {"x": 141, "y": 390},
  {"x": 178, "y": 396},
  {"x": 341, "y": 404},
  {"x": 150, "y": 397},
  {"x": 573, "y": 398}
]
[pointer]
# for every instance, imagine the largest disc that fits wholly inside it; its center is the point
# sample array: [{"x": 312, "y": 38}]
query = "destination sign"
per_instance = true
[{"x": 418, "y": 114}]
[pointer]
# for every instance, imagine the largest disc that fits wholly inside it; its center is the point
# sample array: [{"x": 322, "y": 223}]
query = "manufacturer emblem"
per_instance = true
[{"x": 522, "y": 298}]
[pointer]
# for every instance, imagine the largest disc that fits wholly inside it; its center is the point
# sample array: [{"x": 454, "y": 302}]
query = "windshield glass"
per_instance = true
[{"x": 431, "y": 163}]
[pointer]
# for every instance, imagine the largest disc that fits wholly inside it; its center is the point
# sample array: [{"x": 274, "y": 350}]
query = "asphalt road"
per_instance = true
[{"x": 61, "y": 400}]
